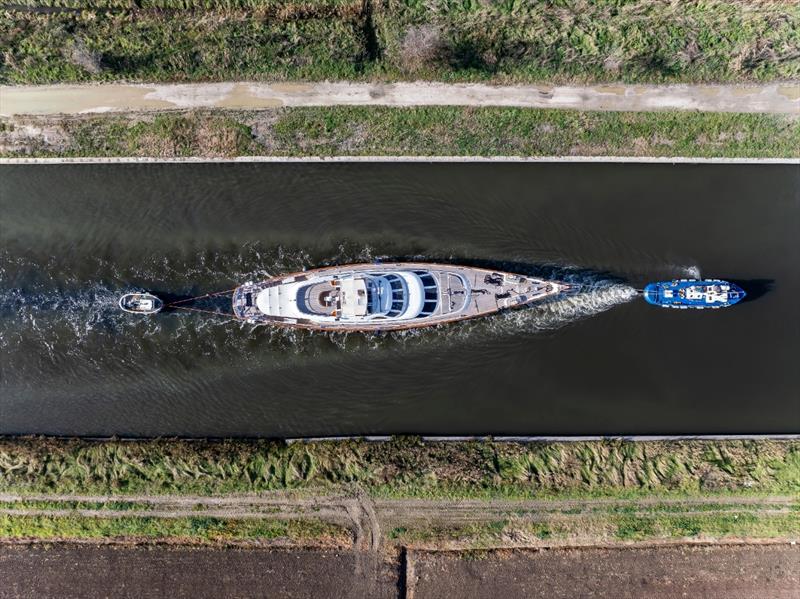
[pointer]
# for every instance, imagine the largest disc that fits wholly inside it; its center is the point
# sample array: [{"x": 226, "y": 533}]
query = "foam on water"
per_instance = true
[
  {"x": 595, "y": 294},
  {"x": 687, "y": 271},
  {"x": 57, "y": 311}
]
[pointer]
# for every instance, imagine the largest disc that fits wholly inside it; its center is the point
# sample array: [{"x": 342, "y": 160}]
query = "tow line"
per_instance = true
[{"x": 176, "y": 304}]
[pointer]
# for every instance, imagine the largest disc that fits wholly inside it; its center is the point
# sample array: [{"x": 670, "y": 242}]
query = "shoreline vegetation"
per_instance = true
[
  {"x": 406, "y": 492},
  {"x": 421, "y": 131},
  {"x": 402, "y": 467},
  {"x": 507, "y": 41}
]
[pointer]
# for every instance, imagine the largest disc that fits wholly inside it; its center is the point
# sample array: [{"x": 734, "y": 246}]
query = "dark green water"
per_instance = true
[{"x": 73, "y": 238}]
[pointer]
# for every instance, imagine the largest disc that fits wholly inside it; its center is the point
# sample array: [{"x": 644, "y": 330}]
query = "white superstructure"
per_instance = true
[{"x": 385, "y": 296}]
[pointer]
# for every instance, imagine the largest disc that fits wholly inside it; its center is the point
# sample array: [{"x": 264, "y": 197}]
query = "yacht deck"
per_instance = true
[{"x": 464, "y": 292}]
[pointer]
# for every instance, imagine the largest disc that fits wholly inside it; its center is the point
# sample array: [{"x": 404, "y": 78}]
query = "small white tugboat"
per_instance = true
[
  {"x": 386, "y": 297},
  {"x": 140, "y": 303}
]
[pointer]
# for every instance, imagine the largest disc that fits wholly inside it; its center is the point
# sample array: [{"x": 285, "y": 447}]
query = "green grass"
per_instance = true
[
  {"x": 467, "y": 40},
  {"x": 37, "y": 504},
  {"x": 174, "y": 47},
  {"x": 630, "y": 528},
  {"x": 405, "y": 467},
  {"x": 191, "y": 529},
  {"x": 607, "y": 528},
  {"x": 349, "y": 131}
]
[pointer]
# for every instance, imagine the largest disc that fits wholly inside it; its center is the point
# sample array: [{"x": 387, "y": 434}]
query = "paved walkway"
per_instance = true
[{"x": 778, "y": 98}]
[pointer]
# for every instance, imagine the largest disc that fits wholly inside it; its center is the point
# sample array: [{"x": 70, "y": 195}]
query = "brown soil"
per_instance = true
[
  {"x": 711, "y": 572},
  {"x": 656, "y": 572},
  {"x": 87, "y": 571}
]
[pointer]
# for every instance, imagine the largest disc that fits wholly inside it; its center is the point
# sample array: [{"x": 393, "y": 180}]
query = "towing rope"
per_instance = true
[
  {"x": 197, "y": 297},
  {"x": 176, "y": 305}
]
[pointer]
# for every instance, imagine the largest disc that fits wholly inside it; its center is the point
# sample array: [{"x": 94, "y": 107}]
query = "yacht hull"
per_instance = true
[{"x": 463, "y": 293}]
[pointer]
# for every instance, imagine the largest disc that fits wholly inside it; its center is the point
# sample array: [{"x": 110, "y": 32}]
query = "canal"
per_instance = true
[{"x": 74, "y": 237}]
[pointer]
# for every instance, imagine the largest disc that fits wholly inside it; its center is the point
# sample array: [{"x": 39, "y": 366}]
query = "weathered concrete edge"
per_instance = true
[
  {"x": 436, "y": 438},
  {"x": 318, "y": 159}
]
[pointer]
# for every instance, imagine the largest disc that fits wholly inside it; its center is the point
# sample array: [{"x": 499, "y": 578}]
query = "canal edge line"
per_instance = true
[
  {"x": 410, "y": 159},
  {"x": 433, "y": 438}
]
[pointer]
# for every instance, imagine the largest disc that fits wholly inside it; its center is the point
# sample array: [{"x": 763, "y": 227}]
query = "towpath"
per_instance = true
[
  {"x": 777, "y": 98},
  {"x": 369, "y": 519},
  {"x": 377, "y": 565}
]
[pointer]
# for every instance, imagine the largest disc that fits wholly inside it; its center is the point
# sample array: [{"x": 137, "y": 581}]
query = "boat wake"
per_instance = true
[
  {"x": 591, "y": 300},
  {"x": 594, "y": 296},
  {"x": 56, "y": 312},
  {"x": 686, "y": 271}
]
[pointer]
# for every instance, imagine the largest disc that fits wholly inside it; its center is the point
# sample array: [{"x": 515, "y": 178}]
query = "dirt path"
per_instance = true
[
  {"x": 272, "y": 498},
  {"x": 368, "y": 519},
  {"x": 782, "y": 97}
]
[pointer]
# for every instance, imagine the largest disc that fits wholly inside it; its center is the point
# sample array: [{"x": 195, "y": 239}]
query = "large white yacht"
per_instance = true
[{"x": 382, "y": 297}]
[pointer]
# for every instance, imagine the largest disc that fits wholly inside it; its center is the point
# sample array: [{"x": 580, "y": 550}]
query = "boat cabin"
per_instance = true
[{"x": 395, "y": 295}]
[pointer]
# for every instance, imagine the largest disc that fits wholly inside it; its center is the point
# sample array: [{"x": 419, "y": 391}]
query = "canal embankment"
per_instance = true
[
  {"x": 433, "y": 131},
  {"x": 398, "y": 494},
  {"x": 376, "y": 78},
  {"x": 403, "y": 518}
]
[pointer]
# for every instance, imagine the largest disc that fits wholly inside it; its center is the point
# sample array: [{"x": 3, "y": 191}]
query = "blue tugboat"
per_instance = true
[{"x": 693, "y": 293}]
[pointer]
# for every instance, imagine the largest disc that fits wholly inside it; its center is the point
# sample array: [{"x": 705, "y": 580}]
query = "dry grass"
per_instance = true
[
  {"x": 421, "y": 48},
  {"x": 405, "y": 467}
]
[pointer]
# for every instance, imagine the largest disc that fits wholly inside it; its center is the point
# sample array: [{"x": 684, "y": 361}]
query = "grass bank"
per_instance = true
[
  {"x": 428, "y": 131},
  {"x": 603, "y": 528},
  {"x": 404, "y": 467},
  {"x": 469, "y": 40},
  {"x": 196, "y": 529}
]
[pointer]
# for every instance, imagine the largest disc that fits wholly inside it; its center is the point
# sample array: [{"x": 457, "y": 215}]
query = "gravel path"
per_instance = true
[{"x": 782, "y": 97}]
